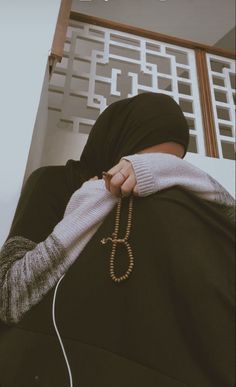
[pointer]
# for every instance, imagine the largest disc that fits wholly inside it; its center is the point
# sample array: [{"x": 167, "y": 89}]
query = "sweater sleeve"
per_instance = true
[
  {"x": 29, "y": 270},
  {"x": 157, "y": 171}
]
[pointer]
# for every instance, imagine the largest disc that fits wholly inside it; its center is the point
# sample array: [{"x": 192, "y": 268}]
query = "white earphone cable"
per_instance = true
[{"x": 57, "y": 331}]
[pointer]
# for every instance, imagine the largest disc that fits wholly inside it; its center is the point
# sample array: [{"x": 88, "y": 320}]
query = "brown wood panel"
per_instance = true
[
  {"x": 206, "y": 105},
  {"x": 150, "y": 34},
  {"x": 60, "y": 33},
  {"x": 52, "y": 61}
]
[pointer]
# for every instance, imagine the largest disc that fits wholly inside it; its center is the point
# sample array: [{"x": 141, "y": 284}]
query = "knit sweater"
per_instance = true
[{"x": 29, "y": 270}]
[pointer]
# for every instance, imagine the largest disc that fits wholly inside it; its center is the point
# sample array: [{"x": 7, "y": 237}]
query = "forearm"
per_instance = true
[
  {"x": 85, "y": 212},
  {"x": 29, "y": 270},
  {"x": 157, "y": 171}
]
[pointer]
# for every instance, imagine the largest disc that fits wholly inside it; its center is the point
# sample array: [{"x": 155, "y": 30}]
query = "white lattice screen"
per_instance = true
[
  {"x": 222, "y": 83},
  {"x": 102, "y": 65}
]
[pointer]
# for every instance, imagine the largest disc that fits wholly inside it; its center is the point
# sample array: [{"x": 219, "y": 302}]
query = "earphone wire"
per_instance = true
[{"x": 57, "y": 331}]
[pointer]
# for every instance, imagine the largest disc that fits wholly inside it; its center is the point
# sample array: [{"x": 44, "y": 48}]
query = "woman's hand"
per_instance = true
[{"x": 120, "y": 180}]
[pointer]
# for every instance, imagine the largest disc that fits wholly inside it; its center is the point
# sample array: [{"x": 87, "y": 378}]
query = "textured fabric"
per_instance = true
[
  {"x": 28, "y": 271},
  {"x": 171, "y": 323},
  {"x": 159, "y": 171},
  {"x": 176, "y": 312},
  {"x": 92, "y": 366},
  {"x": 124, "y": 128}
]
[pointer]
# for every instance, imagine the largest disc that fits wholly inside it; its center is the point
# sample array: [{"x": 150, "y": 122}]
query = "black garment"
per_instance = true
[
  {"x": 170, "y": 325},
  {"x": 131, "y": 125},
  {"x": 124, "y": 128},
  {"x": 43, "y": 200}
]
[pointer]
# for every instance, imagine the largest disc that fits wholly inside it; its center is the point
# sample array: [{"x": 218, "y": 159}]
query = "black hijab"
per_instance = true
[
  {"x": 130, "y": 125},
  {"x": 125, "y": 127}
]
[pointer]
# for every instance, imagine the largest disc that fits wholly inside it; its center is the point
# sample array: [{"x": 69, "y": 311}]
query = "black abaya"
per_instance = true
[{"x": 170, "y": 325}]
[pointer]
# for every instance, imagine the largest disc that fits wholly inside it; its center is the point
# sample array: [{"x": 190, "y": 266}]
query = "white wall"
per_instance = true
[
  {"x": 26, "y": 29},
  {"x": 40, "y": 129},
  {"x": 203, "y": 21}
]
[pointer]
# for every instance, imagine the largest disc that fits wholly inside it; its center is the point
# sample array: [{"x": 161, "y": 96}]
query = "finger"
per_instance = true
[
  {"x": 120, "y": 166},
  {"x": 115, "y": 169},
  {"x": 107, "y": 177},
  {"x": 107, "y": 182},
  {"x": 116, "y": 183},
  {"x": 124, "y": 174},
  {"x": 128, "y": 186}
]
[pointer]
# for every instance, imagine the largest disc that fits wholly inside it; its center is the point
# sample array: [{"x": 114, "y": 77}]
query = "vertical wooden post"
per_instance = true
[
  {"x": 206, "y": 105},
  {"x": 60, "y": 34}
]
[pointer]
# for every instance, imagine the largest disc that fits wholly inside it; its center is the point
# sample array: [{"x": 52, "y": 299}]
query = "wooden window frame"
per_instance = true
[{"x": 65, "y": 14}]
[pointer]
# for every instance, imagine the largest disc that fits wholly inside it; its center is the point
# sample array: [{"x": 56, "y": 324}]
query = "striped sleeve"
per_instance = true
[{"x": 29, "y": 270}]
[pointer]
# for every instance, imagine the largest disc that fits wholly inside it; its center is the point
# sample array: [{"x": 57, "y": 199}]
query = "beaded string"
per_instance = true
[{"x": 116, "y": 241}]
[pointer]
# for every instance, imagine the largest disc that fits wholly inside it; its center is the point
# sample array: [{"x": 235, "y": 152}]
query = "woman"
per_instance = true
[{"x": 136, "y": 356}]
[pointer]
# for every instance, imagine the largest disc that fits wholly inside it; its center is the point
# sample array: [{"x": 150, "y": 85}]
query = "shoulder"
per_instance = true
[
  {"x": 46, "y": 177},
  {"x": 44, "y": 184},
  {"x": 49, "y": 177},
  {"x": 182, "y": 208},
  {"x": 42, "y": 203},
  {"x": 47, "y": 183}
]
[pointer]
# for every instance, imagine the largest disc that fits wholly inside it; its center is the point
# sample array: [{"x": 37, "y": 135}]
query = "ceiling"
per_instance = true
[{"x": 209, "y": 22}]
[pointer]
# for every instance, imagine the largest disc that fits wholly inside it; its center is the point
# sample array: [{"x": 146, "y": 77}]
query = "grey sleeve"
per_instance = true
[{"x": 27, "y": 272}]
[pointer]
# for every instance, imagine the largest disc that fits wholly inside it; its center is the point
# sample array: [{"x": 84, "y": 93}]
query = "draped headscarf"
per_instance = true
[
  {"x": 124, "y": 128},
  {"x": 131, "y": 125}
]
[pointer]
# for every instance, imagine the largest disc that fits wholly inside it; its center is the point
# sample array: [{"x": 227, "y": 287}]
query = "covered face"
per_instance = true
[{"x": 131, "y": 125}]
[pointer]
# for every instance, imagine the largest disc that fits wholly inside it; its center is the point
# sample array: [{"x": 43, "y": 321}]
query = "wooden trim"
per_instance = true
[
  {"x": 52, "y": 61},
  {"x": 61, "y": 28},
  {"x": 150, "y": 34},
  {"x": 206, "y": 105}
]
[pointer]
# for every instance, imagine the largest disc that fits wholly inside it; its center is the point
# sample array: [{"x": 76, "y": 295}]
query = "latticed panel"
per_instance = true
[
  {"x": 222, "y": 83},
  {"x": 101, "y": 66}
]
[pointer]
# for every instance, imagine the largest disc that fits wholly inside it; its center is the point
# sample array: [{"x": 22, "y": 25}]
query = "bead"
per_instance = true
[{"x": 116, "y": 241}]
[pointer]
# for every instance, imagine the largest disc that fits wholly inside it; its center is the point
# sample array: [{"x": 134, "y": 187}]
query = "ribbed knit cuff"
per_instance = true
[{"x": 144, "y": 177}]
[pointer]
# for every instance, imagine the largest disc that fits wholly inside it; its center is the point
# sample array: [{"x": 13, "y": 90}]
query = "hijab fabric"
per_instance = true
[
  {"x": 131, "y": 125},
  {"x": 124, "y": 128}
]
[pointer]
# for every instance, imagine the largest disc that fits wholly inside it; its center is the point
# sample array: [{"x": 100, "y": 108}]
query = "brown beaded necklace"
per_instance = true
[{"x": 115, "y": 241}]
